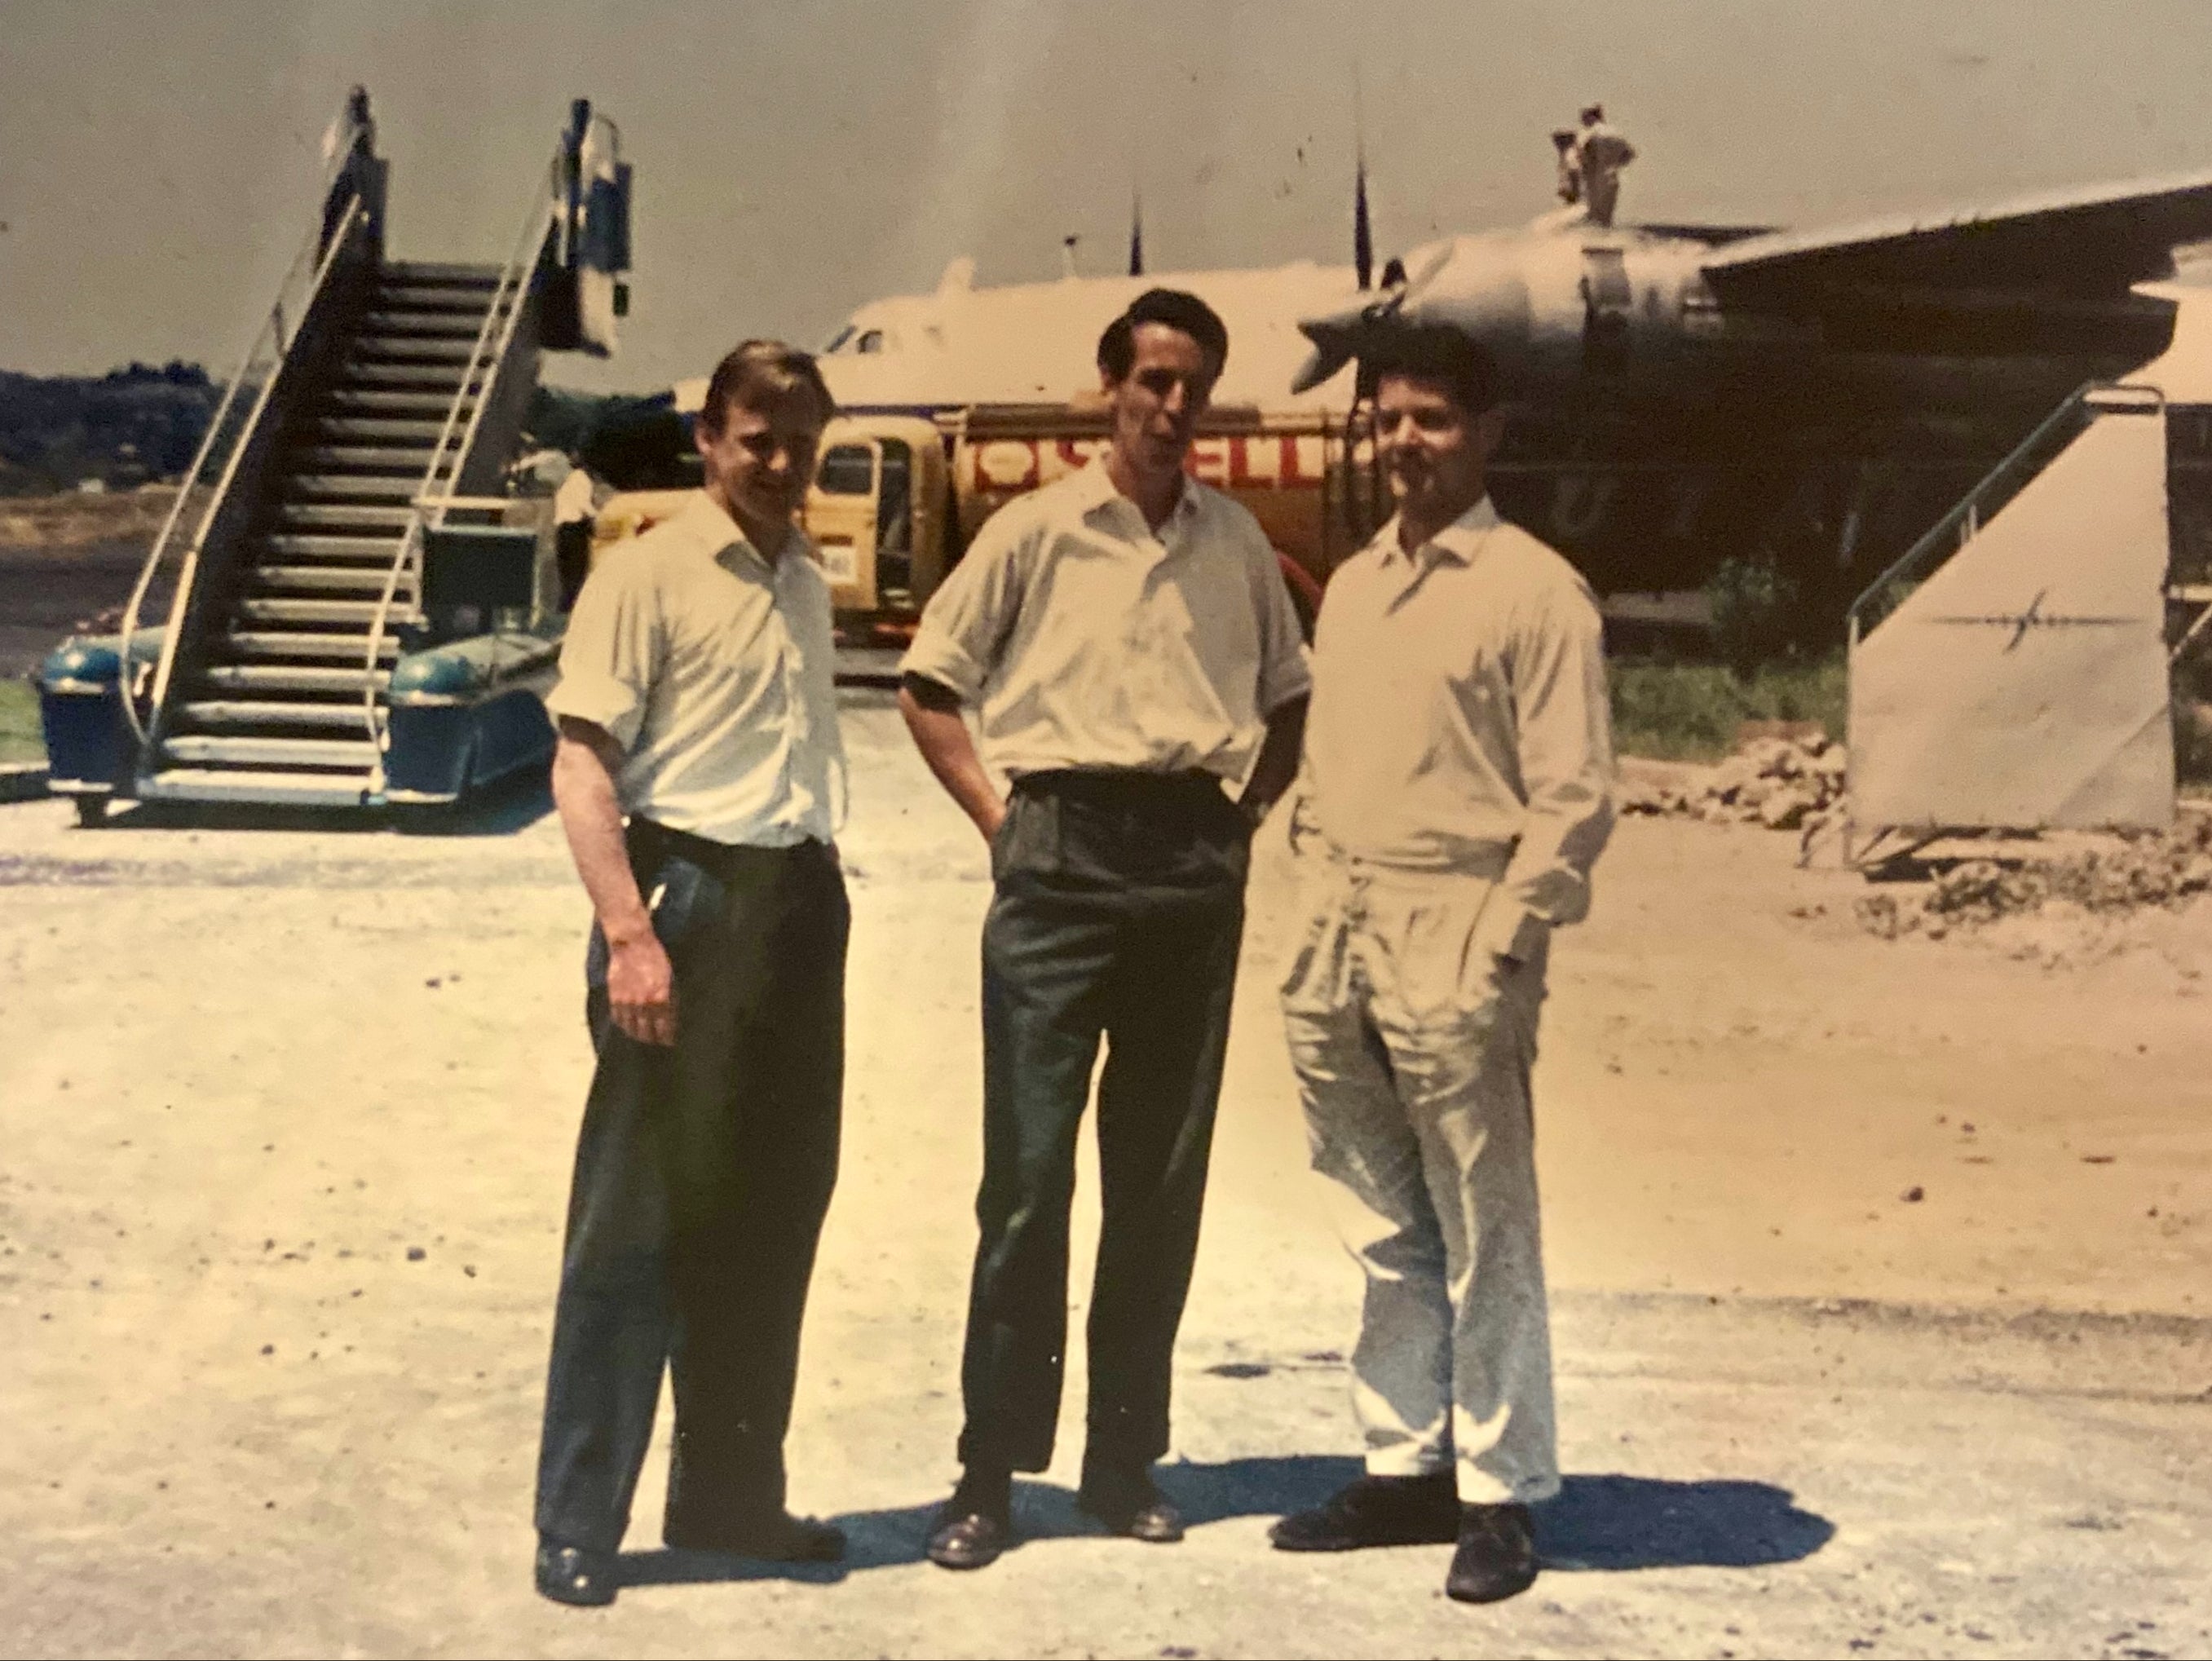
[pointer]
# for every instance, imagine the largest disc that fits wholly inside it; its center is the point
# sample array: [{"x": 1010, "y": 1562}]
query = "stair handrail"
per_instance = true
[
  {"x": 272, "y": 330},
  {"x": 317, "y": 254},
  {"x": 1974, "y": 510},
  {"x": 433, "y": 497}
]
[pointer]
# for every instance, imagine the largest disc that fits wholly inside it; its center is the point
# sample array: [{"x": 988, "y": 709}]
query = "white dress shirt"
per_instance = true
[
  {"x": 713, "y": 668},
  {"x": 1459, "y": 712},
  {"x": 1086, "y": 639}
]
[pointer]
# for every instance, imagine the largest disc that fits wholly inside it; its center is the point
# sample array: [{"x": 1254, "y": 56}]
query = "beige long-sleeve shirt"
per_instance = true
[
  {"x": 1459, "y": 710},
  {"x": 713, "y": 667},
  {"x": 1086, "y": 639}
]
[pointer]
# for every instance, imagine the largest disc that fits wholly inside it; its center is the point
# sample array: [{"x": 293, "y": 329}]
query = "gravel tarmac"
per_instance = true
[{"x": 1883, "y": 1318}]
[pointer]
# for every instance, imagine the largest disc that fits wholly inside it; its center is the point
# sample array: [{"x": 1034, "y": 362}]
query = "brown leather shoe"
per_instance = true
[
  {"x": 966, "y": 1539},
  {"x": 1496, "y": 1554},
  {"x": 777, "y": 1537},
  {"x": 1128, "y": 1504}
]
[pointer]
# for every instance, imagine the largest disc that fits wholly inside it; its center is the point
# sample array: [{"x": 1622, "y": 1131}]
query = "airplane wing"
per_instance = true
[{"x": 2089, "y": 243}]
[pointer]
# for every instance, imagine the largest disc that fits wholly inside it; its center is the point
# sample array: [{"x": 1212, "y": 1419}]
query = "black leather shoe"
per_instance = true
[
  {"x": 1127, "y": 1502},
  {"x": 1496, "y": 1554},
  {"x": 777, "y": 1537},
  {"x": 576, "y": 1574},
  {"x": 1375, "y": 1511},
  {"x": 968, "y": 1539}
]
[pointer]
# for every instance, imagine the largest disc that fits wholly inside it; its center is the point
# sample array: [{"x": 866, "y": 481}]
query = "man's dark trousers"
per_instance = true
[
  {"x": 701, "y": 1176},
  {"x": 1118, "y": 908}
]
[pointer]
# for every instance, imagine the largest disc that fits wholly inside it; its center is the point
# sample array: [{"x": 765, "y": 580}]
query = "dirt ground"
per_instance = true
[{"x": 1883, "y": 1314}]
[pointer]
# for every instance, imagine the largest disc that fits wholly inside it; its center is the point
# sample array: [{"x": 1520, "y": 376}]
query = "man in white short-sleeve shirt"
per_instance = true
[
  {"x": 1132, "y": 655},
  {"x": 697, "y": 699}
]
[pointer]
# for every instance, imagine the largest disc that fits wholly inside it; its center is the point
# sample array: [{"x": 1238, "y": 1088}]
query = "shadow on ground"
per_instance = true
[
  {"x": 499, "y": 809},
  {"x": 1597, "y": 1523},
  {"x": 1616, "y": 1523}
]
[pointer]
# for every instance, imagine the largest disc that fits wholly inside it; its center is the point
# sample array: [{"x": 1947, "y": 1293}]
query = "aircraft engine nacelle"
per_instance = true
[{"x": 1552, "y": 307}]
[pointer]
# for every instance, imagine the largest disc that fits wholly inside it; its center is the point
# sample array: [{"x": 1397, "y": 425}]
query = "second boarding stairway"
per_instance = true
[
  {"x": 2015, "y": 670},
  {"x": 278, "y": 705}
]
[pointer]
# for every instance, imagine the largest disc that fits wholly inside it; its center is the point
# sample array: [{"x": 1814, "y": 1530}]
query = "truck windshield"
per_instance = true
[{"x": 847, "y": 470}]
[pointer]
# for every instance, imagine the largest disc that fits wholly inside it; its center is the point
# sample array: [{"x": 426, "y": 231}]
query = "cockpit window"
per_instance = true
[
  {"x": 847, "y": 470},
  {"x": 871, "y": 342},
  {"x": 842, "y": 336}
]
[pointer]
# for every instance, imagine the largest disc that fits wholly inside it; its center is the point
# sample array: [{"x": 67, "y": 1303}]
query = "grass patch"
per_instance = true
[
  {"x": 1691, "y": 711},
  {"x": 19, "y": 738}
]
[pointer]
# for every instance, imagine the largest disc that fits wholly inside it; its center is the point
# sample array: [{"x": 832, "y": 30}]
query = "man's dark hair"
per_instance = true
[
  {"x": 1458, "y": 362},
  {"x": 759, "y": 373},
  {"x": 1117, "y": 347}
]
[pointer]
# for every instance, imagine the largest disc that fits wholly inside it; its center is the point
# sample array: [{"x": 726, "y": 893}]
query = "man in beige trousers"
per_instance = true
[{"x": 1459, "y": 772}]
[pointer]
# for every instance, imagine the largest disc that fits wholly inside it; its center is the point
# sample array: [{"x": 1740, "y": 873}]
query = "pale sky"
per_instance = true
[{"x": 158, "y": 161}]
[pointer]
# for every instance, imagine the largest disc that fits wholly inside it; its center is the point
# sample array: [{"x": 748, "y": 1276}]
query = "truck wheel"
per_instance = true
[{"x": 91, "y": 812}]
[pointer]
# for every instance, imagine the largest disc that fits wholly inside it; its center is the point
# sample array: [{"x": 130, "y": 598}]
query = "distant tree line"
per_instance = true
[{"x": 132, "y": 425}]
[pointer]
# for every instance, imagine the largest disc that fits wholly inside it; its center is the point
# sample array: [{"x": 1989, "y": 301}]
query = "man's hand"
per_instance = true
[
  {"x": 641, "y": 980},
  {"x": 642, "y": 989}
]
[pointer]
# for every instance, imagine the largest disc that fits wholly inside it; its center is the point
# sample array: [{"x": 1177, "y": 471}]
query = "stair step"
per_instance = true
[
  {"x": 366, "y": 458},
  {"x": 348, "y": 717},
  {"x": 308, "y": 581},
  {"x": 291, "y": 678},
  {"x": 425, "y": 324},
  {"x": 423, "y": 300},
  {"x": 370, "y": 400},
  {"x": 347, "y": 518},
  {"x": 299, "y": 789},
  {"x": 235, "y": 752},
  {"x": 296, "y": 545},
  {"x": 379, "y": 430},
  {"x": 381, "y": 487},
  {"x": 370, "y": 377},
  {"x": 403, "y": 348},
  {"x": 259, "y": 608},
  {"x": 430, "y": 273},
  {"x": 348, "y": 651}
]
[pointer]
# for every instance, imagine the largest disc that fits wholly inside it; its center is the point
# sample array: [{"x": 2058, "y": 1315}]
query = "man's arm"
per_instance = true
[
  {"x": 932, "y": 716},
  {"x": 641, "y": 982},
  {"x": 1278, "y": 764},
  {"x": 1565, "y": 746}
]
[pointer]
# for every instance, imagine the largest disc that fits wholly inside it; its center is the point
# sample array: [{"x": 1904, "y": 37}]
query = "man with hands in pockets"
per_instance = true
[{"x": 1458, "y": 789}]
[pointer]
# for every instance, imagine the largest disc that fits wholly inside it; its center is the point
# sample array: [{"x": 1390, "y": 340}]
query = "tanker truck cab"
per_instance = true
[{"x": 877, "y": 513}]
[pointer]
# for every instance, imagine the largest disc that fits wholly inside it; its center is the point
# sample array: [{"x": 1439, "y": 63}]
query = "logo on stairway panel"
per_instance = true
[{"x": 2034, "y": 617}]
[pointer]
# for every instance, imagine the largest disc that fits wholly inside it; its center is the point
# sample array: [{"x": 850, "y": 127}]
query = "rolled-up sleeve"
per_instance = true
[
  {"x": 1567, "y": 771},
  {"x": 965, "y": 624},
  {"x": 612, "y": 650}
]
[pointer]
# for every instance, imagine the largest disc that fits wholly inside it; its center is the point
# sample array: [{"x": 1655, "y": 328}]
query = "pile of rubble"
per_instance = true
[
  {"x": 1784, "y": 783},
  {"x": 2166, "y": 868}
]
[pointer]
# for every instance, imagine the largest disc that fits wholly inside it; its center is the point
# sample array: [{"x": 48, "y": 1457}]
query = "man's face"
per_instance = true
[
  {"x": 1157, "y": 406},
  {"x": 1434, "y": 449},
  {"x": 762, "y": 460}
]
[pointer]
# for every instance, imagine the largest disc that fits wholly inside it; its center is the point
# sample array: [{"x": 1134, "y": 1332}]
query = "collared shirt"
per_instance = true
[
  {"x": 1086, "y": 639},
  {"x": 713, "y": 668},
  {"x": 1460, "y": 708}
]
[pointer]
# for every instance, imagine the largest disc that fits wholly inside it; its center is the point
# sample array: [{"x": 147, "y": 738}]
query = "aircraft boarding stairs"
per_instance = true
[
  {"x": 2013, "y": 670},
  {"x": 274, "y": 704},
  {"x": 343, "y": 549}
]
